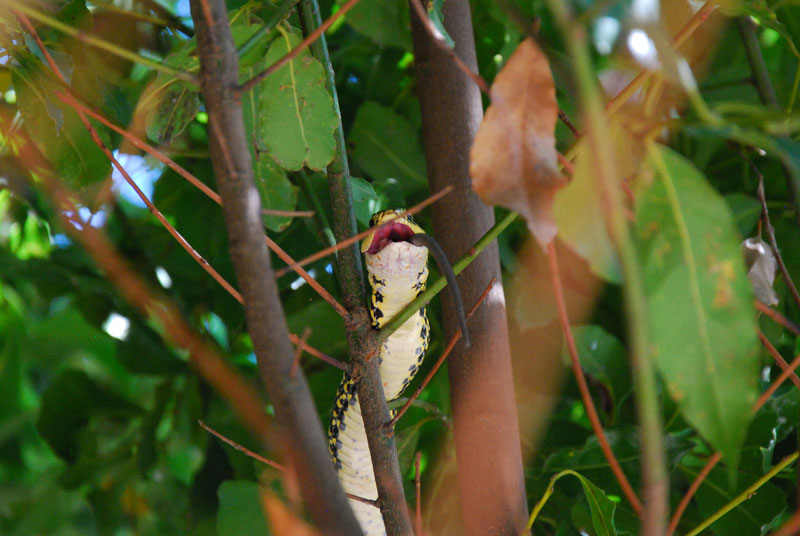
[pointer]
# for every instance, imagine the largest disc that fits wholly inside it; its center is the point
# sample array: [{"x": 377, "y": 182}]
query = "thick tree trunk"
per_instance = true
[
  {"x": 305, "y": 445},
  {"x": 487, "y": 443}
]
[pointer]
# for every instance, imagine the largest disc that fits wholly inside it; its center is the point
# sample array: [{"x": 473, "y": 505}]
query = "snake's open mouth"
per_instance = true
[{"x": 386, "y": 234}]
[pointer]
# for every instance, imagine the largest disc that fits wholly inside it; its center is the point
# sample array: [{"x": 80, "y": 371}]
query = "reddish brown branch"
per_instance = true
[
  {"x": 319, "y": 355},
  {"x": 449, "y": 348},
  {"x": 355, "y": 238},
  {"x": 298, "y": 353},
  {"x": 242, "y": 448},
  {"x": 580, "y": 379},
  {"x": 777, "y": 317},
  {"x": 778, "y": 358},
  {"x": 292, "y": 54}
]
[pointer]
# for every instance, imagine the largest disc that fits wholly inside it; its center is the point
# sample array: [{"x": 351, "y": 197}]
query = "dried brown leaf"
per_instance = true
[
  {"x": 762, "y": 266},
  {"x": 513, "y": 160}
]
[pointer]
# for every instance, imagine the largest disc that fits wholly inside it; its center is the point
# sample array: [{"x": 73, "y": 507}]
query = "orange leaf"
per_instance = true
[{"x": 513, "y": 159}]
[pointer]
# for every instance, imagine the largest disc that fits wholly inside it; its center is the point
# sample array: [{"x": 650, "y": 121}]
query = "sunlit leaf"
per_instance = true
[
  {"x": 56, "y": 128},
  {"x": 702, "y": 321},
  {"x": 297, "y": 113}
]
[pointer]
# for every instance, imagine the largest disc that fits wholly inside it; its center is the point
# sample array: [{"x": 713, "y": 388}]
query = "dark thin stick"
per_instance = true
[
  {"x": 370, "y": 502},
  {"x": 565, "y": 119},
  {"x": 292, "y": 54},
  {"x": 418, "y": 493},
  {"x": 319, "y": 355},
  {"x": 771, "y": 235},
  {"x": 580, "y": 379},
  {"x": 435, "y": 249},
  {"x": 778, "y": 358},
  {"x": 442, "y": 44},
  {"x": 777, "y": 317},
  {"x": 355, "y": 238},
  {"x": 298, "y": 353},
  {"x": 449, "y": 348},
  {"x": 242, "y": 448}
]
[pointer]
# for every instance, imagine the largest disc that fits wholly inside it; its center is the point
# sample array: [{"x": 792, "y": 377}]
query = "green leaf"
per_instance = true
[
  {"x": 169, "y": 104},
  {"x": 702, "y": 320},
  {"x": 297, "y": 113},
  {"x": 365, "y": 200},
  {"x": 68, "y": 404},
  {"x": 601, "y": 507},
  {"x": 753, "y": 516},
  {"x": 386, "y": 22},
  {"x": 277, "y": 192},
  {"x": 746, "y": 211},
  {"x": 580, "y": 218},
  {"x": 56, "y": 128},
  {"x": 240, "y": 510},
  {"x": 604, "y": 358},
  {"x": 384, "y": 144}
]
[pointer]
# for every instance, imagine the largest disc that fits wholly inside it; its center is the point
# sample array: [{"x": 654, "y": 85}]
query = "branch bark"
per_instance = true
[
  {"x": 304, "y": 448},
  {"x": 487, "y": 444},
  {"x": 360, "y": 335}
]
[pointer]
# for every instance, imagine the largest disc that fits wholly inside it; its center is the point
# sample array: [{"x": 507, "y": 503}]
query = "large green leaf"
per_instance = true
[
  {"x": 384, "y": 144},
  {"x": 277, "y": 192},
  {"x": 297, "y": 113},
  {"x": 56, "y": 128},
  {"x": 240, "y": 510},
  {"x": 702, "y": 320}
]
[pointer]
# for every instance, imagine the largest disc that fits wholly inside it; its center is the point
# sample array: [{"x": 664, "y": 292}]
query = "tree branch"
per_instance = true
[
  {"x": 294, "y": 407},
  {"x": 491, "y": 487},
  {"x": 360, "y": 335}
]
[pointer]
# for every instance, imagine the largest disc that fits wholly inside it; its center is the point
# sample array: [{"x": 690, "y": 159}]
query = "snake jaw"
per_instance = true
[{"x": 386, "y": 234}]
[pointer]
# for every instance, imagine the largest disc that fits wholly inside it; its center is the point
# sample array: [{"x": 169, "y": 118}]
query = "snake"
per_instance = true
[{"x": 396, "y": 257}]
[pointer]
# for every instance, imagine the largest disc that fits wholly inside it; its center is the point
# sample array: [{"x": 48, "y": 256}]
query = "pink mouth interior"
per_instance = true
[{"x": 391, "y": 232}]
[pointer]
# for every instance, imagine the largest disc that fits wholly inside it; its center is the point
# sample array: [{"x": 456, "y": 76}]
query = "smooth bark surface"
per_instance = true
[
  {"x": 487, "y": 444},
  {"x": 305, "y": 445}
]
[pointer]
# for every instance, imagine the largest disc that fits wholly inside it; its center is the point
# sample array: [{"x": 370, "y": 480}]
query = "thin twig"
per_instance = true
[
  {"x": 353, "y": 239},
  {"x": 242, "y": 448},
  {"x": 370, "y": 502},
  {"x": 676, "y": 517},
  {"x": 778, "y": 358},
  {"x": 107, "y": 152},
  {"x": 442, "y": 44},
  {"x": 565, "y": 119},
  {"x": 292, "y": 54},
  {"x": 771, "y": 235},
  {"x": 319, "y": 355},
  {"x": 577, "y": 370},
  {"x": 786, "y": 373},
  {"x": 298, "y": 353},
  {"x": 777, "y": 317},
  {"x": 449, "y": 348}
]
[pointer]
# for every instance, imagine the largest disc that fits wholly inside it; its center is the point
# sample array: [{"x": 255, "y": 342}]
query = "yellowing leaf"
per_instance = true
[{"x": 513, "y": 158}]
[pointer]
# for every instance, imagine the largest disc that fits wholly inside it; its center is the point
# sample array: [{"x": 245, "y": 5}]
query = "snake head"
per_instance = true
[{"x": 389, "y": 226}]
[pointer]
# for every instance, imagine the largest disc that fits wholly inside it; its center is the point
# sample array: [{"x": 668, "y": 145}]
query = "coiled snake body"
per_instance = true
[{"x": 397, "y": 272}]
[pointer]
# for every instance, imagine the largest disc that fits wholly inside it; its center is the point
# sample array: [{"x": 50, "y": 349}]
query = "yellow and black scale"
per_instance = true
[{"x": 397, "y": 272}]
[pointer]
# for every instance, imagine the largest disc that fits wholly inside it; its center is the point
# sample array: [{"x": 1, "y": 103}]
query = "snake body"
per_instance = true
[{"x": 397, "y": 273}]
